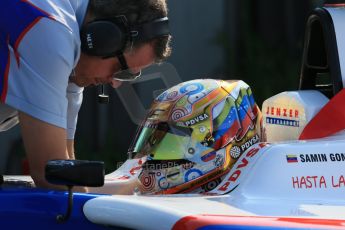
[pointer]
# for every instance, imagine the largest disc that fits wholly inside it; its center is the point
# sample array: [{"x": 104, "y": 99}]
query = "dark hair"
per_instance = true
[{"x": 137, "y": 12}]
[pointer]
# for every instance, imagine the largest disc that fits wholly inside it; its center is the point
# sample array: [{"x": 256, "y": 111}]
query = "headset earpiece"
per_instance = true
[
  {"x": 102, "y": 38},
  {"x": 150, "y": 30},
  {"x": 108, "y": 37}
]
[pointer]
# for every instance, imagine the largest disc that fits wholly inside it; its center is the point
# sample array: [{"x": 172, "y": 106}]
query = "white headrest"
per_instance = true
[{"x": 286, "y": 114}]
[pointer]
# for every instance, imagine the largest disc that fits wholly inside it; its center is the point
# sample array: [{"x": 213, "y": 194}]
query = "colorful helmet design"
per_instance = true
[{"x": 194, "y": 133}]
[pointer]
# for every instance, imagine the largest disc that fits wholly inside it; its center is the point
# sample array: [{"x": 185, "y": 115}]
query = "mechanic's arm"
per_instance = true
[
  {"x": 70, "y": 149},
  {"x": 75, "y": 98},
  {"x": 43, "y": 142}
]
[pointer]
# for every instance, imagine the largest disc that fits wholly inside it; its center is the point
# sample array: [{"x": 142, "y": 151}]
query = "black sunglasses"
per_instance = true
[{"x": 125, "y": 74}]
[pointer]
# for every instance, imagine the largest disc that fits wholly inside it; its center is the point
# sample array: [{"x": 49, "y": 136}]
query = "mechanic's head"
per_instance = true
[
  {"x": 116, "y": 52},
  {"x": 194, "y": 133}
]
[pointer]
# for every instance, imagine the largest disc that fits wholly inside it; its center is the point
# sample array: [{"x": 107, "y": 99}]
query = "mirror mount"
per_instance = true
[
  {"x": 74, "y": 173},
  {"x": 64, "y": 217}
]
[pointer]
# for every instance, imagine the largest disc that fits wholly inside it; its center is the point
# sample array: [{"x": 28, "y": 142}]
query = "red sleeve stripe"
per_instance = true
[{"x": 5, "y": 77}]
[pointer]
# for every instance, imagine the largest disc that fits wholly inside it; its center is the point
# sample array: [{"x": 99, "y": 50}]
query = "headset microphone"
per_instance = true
[
  {"x": 110, "y": 37},
  {"x": 103, "y": 98}
]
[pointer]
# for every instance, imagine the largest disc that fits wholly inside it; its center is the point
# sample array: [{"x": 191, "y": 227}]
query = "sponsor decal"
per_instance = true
[
  {"x": 313, "y": 157},
  {"x": 209, "y": 156},
  {"x": 291, "y": 158},
  {"x": 338, "y": 182},
  {"x": 203, "y": 180},
  {"x": 163, "y": 183},
  {"x": 250, "y": 142},
  {"x": 192, "y": 174},
  {"x": 196, "y": 120},
  {"x": 337, "y": 156},
  {"x": 281, "y": 121},
  {"x": 309, "y": 182},
  {"x": 318, "y": 182},
  {"x": 219, "y": 161},
  {"x": 230, "y": 182},
  {"x": 236, "y": 151},
  {"x": 282, "y": 112},
  {"x": 321, "y": 157}
]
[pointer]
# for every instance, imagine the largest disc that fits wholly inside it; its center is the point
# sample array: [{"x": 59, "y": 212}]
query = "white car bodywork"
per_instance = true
[
  {"x": 266, "y": 184},
  {"x": 282, "y": 182}
]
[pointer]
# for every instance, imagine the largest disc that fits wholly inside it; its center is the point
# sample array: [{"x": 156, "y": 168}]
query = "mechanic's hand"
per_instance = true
[{"x": 80, "y": 189}]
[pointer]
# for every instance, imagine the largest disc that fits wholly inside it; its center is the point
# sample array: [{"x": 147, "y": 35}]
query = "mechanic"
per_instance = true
[{"x": 50, "y": 50}]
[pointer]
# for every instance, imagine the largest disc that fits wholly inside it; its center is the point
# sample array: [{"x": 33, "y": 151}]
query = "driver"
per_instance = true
[
  {"x": 45, "y": 63},
  {"x": 193, "y": 134}
]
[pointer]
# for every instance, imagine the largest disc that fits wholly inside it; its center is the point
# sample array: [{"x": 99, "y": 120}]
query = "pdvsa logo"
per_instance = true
[
  {"x": 232, "y": 181},
  {"x": 196, "y": 120},
  {"x": 236, "y": 151}
]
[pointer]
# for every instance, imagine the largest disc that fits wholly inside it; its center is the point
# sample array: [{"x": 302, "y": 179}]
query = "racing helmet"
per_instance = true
[{"x": 193, "y": 134}]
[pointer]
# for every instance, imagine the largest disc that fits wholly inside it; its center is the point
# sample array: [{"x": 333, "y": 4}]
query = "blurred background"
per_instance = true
[{"x": 259, "y": 42}]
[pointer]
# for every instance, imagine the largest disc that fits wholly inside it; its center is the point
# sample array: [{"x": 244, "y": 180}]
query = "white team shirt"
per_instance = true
[{"x": 40, "y": 63}]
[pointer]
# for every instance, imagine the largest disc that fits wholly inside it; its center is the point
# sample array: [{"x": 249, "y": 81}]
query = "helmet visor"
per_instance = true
[{"x": 162, "y": 141}]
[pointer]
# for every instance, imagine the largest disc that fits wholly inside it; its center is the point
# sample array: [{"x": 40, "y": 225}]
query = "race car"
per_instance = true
[{"x": 207, "y": 157}]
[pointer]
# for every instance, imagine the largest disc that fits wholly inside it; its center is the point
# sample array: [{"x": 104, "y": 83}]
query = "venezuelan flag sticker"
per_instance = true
[{"x": 291, "y": 158}]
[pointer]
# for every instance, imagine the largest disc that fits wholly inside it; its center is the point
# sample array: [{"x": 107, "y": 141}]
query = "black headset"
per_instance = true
[{"x": 110, "y": 37}]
